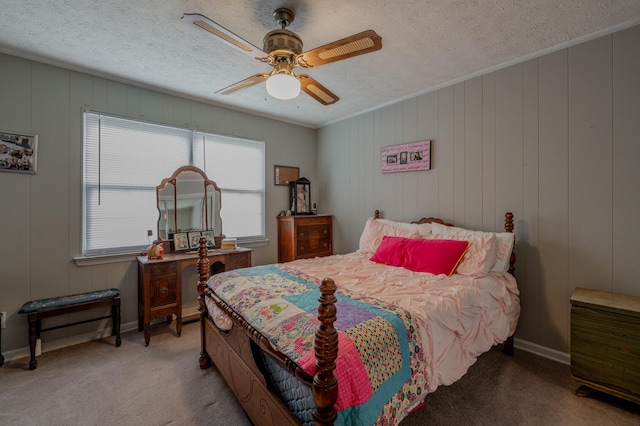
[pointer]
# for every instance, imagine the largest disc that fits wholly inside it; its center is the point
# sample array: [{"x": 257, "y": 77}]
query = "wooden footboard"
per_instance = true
[{"x": 235, "y": 359}]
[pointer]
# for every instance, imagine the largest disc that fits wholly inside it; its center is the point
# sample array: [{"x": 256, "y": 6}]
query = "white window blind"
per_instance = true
[
  {"x": 237, "y": 166},
  {"x": 124, "y": 161}
]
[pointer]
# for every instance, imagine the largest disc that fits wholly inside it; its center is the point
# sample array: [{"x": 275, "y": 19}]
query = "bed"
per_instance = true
[{"x": 410, "y": 310}]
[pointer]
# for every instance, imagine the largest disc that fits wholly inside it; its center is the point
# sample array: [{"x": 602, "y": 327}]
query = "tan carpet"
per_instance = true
[{"x": 96, "y": 383}]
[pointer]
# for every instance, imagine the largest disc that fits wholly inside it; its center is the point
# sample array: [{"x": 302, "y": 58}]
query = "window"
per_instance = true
[{"x": 125, "y": 159}]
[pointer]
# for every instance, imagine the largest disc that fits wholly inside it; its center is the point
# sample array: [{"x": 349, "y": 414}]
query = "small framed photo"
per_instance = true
[
  {"x": 285, "y": 174},
  {"x": 194, "y": 239},
  {"x": 180, "y": 241},
  {"x": 209, "y": 236},
  {"x": 18, "y": 152}
]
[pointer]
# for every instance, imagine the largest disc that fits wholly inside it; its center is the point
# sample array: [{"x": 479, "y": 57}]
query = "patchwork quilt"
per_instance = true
[{"x": 381, "y": 363}]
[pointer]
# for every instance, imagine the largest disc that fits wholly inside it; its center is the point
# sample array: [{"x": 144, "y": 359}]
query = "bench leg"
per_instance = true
[
  {"x": 115, "y": 316},
  {"x": 34, "y": 333}
]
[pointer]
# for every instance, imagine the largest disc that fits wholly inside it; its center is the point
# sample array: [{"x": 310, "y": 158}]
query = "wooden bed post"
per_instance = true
[
  {"x": 508, "y": 226},
  {"x": 203, "y": 275},
  {"x": 325, "y": 383}
]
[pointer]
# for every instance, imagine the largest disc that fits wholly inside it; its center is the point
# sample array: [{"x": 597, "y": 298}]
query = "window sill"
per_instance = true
[
  {"x": 130, "y": 257},
  {"x": 253, "y": 243},
  {"x": 104, "y": 259}
]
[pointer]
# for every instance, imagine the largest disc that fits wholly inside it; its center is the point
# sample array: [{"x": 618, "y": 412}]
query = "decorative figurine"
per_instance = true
[{"x": 155, "y": 251}]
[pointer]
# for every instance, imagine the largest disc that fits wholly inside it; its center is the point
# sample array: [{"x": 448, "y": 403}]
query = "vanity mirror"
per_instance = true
[{"x": 188, "y": 202}]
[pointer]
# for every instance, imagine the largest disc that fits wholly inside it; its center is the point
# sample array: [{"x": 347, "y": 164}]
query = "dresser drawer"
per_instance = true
[
  {"x": 605, "y": 342},
  {"x": 313, "y": 232},
  {"x": 162, "y": 268},
  {"x": 163, "y": 290},
  {"x": 313, "y": 247},
  {"x": 605, "y": 348}
]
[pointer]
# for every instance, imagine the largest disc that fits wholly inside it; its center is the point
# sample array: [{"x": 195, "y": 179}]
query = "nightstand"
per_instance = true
[
  {"x": 605, "y": 342},
  {"x": 304, "y": 236}
]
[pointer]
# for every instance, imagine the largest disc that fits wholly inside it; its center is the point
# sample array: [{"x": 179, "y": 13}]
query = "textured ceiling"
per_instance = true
[{"x": 425, "y": 43}]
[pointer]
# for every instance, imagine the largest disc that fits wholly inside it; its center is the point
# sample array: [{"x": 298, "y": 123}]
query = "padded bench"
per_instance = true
[{"x": 44, "y": 308}]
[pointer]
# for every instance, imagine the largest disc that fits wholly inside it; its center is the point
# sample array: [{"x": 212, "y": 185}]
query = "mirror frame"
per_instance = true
[{"x": 173, "y": 180}]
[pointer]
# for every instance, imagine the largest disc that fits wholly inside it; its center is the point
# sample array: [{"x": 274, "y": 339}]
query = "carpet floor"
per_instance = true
[{"x": 96, "y": 383}]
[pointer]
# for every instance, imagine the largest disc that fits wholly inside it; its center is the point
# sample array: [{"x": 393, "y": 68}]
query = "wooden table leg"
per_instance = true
[
  {"x": 1, "y": 356},
  {"x": 147, "y": 334},
  {"x": 115, "y": 318},
  {"x": 34, "y": 333}
]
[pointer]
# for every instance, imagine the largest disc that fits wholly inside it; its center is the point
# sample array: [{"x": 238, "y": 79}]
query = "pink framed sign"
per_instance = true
[{"x": 406, "y": 157}]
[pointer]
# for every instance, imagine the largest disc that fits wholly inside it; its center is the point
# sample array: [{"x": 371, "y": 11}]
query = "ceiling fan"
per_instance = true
[{"x": 282, "y": 49}]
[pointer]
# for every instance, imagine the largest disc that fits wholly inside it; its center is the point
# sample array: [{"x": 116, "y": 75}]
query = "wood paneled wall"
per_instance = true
[
  {"x": 41, "y": 215},
  {"x": 555, "y": 140}
]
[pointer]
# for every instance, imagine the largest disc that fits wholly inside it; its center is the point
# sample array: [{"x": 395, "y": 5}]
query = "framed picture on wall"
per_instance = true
[
  {"x": 18, "y": 152},
  {"x": 407, "y": 157},
  {"x": 284, "y": 174}
]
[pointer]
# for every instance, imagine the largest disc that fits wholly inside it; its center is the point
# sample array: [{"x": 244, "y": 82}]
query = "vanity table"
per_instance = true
[
  {"x": 160, "y": 283},
  {"x": 188, "y": 205}
]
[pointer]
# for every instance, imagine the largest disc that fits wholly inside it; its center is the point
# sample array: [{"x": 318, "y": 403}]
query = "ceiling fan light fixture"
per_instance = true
[{"x": 283, "y": 86}]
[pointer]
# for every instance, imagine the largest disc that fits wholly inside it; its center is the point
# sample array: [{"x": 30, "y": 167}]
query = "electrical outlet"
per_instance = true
[
  {"x": 149, "y": 232},
  {"x": 3, "y": 320}
]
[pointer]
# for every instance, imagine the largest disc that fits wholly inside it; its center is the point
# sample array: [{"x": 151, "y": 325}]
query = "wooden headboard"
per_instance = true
[{"x": 508, "y": 227}]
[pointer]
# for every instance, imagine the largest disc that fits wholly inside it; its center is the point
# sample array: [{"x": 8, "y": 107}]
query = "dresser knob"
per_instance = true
[
  {"x": 301, "y": 234},
  {"x": 164, "y": 290},
  {"x": 325, "y": 232},
  {"x": 301, "y": 248}
]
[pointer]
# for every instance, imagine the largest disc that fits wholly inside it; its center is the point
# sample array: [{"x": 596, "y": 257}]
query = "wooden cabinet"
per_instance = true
[
  {"x": 304, "y": 236},
  {"x": 160, "y": 283},
  {"x": 605, "y": 342}
]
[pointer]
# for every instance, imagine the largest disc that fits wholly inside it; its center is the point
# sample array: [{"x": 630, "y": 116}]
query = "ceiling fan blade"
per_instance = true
[
  {"x": 222, "y": 33},
  {"x": 242, "y": 84},
  {"x": 357, "y": 44},
  {"x": 316, "y": 90}
]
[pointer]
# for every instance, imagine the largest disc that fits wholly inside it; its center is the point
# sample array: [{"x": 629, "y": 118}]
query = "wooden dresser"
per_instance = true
[
  {"x": 160, "y": 283},
  {"x": 304, "y": 236},
  {"x": 605, "y": 342}
]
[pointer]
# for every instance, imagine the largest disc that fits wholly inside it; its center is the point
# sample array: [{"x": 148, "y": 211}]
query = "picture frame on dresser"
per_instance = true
[
  {"x": 208, "y": 235},
  {"x": 180, "y": 241},
  {"x": 194, "y": 239}
]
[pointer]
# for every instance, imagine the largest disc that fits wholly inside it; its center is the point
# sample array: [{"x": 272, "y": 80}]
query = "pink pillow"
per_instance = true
[
  {"x": 419, "y": 255},
  {"x": 374, "y": 230}
]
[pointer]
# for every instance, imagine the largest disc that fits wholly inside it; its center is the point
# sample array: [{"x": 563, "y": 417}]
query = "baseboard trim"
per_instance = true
[
  {"x": 543, "y": 351},
  {"x": 191, "y": 314},
  {"x": 188, "y": 315}
]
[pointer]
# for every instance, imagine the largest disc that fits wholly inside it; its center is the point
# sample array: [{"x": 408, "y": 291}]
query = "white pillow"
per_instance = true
[
  {"x": 374, "y": 230},
  {"x": 505, "y": 241},
  {"x": 424, "y": 229},
  {"x": 480, "y": 258}
]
